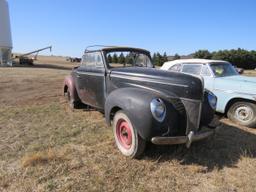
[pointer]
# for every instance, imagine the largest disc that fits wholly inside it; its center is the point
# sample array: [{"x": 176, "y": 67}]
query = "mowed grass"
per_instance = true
[{"x": 45, "y": 146}]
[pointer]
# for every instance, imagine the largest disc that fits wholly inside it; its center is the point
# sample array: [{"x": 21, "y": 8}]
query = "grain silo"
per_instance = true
[{"x": 5, "y": 35}]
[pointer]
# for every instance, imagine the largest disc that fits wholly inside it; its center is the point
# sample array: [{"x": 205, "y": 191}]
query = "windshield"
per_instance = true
[
  {"x": 119, "y": 59},
  {"x": 223, "y": 69}
]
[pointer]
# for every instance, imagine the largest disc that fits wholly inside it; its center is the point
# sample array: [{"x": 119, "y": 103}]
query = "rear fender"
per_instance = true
[{"x": 70, "y": 85}]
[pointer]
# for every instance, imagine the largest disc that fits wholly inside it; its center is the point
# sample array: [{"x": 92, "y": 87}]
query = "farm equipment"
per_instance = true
[
  {"x": 74, "y": 59},
  {"x": 25, "y": 60}
]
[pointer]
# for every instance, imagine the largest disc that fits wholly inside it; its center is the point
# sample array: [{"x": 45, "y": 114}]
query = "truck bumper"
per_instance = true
[{"x": 188, "y": 140}]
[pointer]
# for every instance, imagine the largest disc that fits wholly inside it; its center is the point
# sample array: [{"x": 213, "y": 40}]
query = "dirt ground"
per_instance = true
[{"x": 45, "y": 146}]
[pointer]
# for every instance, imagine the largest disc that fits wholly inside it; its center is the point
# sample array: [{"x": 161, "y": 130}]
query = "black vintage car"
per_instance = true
[{"x": 143, "y": 104}]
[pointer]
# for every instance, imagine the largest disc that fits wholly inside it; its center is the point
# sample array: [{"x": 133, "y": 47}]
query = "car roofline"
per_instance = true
[{"x": 169, "y": 64}]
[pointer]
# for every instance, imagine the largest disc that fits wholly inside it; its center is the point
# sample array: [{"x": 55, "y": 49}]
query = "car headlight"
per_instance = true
[
  {"x": 158, "y": 109},
  {"x": 212, "y": 100}
]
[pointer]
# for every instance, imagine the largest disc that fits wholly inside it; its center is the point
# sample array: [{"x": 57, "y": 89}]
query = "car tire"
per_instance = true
[
  {"x": 243, "y": 113},
  {"x": 71, "y": 101},
  {"x": 126, "y": 136}
]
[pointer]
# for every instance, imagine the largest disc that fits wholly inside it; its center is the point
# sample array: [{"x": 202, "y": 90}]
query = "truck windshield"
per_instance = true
[
  {"x": 119, "y": 59},
  {"x": 223, "y": 69}
]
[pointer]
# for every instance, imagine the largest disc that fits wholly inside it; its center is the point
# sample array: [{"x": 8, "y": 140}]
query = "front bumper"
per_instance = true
[{"x": 191, "y": 137}]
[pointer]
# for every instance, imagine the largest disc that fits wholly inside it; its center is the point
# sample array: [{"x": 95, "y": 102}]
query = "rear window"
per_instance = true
[
  {"x": 120, "y": 59},
  {"x": 176, "y": 68}
]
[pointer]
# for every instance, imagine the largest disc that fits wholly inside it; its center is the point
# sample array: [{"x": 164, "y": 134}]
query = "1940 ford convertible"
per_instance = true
[{"x": 142, "y": 104}]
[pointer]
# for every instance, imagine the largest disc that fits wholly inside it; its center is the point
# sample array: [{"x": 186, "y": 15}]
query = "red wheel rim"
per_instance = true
[{"x": 124, "y": 133}]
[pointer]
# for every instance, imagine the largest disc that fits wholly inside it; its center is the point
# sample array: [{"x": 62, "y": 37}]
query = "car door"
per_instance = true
[{"x": 91, "y": 81}]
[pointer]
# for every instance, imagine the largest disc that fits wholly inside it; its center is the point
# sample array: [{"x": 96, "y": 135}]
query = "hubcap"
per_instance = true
[
  {"x": 244, "y": 113},
  {"x": 124, "y": 134}
]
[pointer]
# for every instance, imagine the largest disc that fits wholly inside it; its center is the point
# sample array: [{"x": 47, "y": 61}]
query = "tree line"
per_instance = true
[
  {"x": 239, "y": 57},
  {"x": 157, "y": 58},
  {"x": 119, "y": 58}
]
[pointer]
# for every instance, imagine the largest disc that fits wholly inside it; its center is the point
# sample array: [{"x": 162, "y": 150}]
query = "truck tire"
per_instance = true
[
  {"x": 243, "y": 113},
  {"x": 126, "y": 136},
  {"x": 73, "y": 104}
]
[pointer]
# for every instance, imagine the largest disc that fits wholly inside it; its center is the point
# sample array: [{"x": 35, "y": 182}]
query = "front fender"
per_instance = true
[
  {"x": 224, "y": 97},
  {"x": 135, "y": 102}
]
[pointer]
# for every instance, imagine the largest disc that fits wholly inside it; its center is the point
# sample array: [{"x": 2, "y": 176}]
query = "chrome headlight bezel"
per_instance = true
[
  {"x": 158, "y": 109},
  {"x": 212, "y": 99}
]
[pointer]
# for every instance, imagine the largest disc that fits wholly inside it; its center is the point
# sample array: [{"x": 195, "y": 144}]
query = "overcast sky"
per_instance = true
[{"x": 174, "y": 26}]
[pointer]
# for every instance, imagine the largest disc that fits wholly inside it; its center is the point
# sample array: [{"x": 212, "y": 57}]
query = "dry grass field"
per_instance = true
[{"x": 45, "y": 146}]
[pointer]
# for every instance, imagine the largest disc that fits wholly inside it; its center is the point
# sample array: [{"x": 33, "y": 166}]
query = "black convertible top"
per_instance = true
[{"x": 114, "y": 48}]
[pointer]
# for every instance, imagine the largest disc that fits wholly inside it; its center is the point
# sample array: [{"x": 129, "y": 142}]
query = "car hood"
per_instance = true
[
  {"x": 237, "y": 83},
  {"x": 182, "y": 85},
  {"x": 240, "y": 78}
]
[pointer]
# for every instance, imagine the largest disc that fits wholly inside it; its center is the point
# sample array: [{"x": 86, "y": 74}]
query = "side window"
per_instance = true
[
  {"x": 176, "y": 68},
  {"x": 192, "y": 69},
  {"x": 89, "y": 60},
  {"x": 93, "y": 59},
  {"x": 83, "y": 60},
  {"x": 99, "y": 61},
  {"x": 205, "y": 71}
]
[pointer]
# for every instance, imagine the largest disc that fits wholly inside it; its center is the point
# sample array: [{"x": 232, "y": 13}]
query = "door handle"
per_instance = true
[{"x": 78, "y": 76}]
